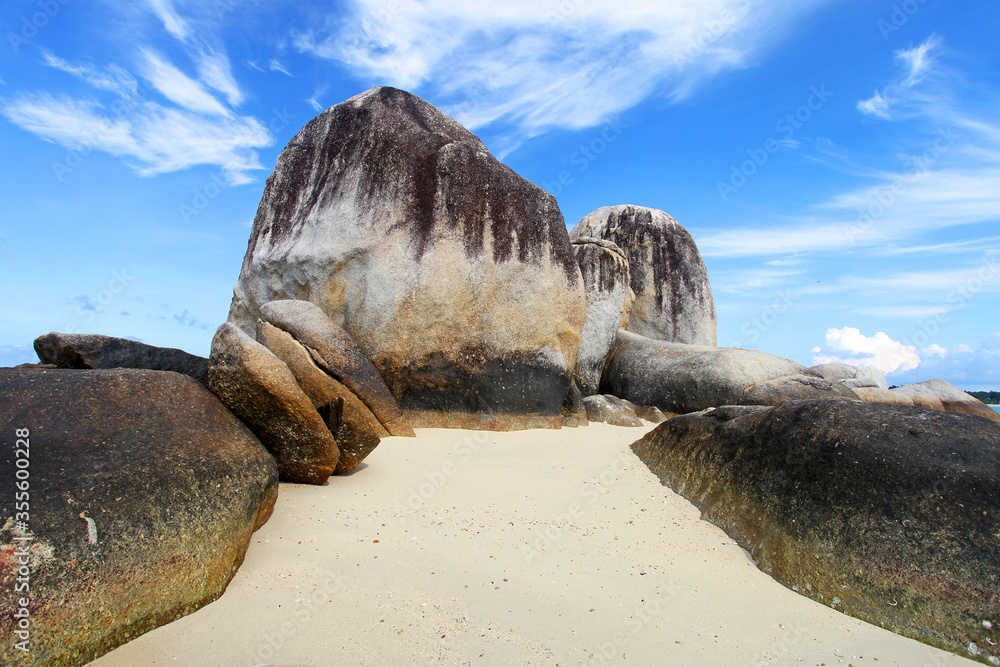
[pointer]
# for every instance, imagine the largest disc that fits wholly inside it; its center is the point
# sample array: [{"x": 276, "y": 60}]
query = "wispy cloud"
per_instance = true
[
  {"x": 275, "y": 66},
  {"x": 180, "y": 88},
  {"x": 172, "y": 21},
  {"x": 159, "y": 138},
  {"x": 546, "y": 64},
  {"x": 948, "y": 175},
  {"x": 215, "y": 71}
]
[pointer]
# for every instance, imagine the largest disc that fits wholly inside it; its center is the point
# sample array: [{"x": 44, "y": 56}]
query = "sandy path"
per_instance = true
[{"x": 525, "y": 548}]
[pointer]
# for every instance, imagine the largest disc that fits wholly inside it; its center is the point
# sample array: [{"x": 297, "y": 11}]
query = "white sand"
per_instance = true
[{"x": 525, "y": 548}]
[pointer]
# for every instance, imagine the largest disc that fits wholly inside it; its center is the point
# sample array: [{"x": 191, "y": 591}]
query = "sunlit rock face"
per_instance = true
[{"x": 452, "y": 273}]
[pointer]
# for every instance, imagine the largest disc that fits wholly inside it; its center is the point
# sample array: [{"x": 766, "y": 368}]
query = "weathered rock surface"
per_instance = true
[
  {"x": 609, "y": 298},
  {"x": 887, "y": 513},
  {"x": 681, "y": 378},
  {"x": 851, "y": 376},
  {"x": 933, "y": 395},
  {"x": 144, "y": 492},
  {"x": 651, "y": 413},
  {"x": 356, "y": 430},
  {"x": 453, "y": 274},
  {"x": 951, "y": 398},
  {"x": 574, "y": 412},
  {"x": 611, "y": 410},
  {"x": 96, "y": 351},
  {"x": 260, "y": 389},
  {"x": 338, "y": 355},
  {"x": 673, "y": 298}
]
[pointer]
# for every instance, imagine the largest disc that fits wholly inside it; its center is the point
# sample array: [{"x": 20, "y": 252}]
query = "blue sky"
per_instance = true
[{"x": 838, "y": 162}]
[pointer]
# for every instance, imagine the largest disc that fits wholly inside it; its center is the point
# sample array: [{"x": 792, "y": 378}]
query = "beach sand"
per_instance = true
[{"x": 523, "y": 548}]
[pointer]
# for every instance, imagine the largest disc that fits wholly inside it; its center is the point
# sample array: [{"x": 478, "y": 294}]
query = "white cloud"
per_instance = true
[
  {"x": 917, "y": 63},
  {"x": 179, "y": 88},
  {"x": 964, "y": 366},
  {"x": 175, "y": 25},
  {"x": 214, "y": 70},
  {"x": 850, "y": 346},
  {"x": 161, "y": 139},
  {"x": 275, "y": 66},
  {"x": 557, "y": 63},
  {"x": 934, "y": 350},
  {"x": 114, "y": 79},
  {"x": 875, "y": 106},
  {"x": 948, "y": 174},
  {"x": 913, "y": 312}
]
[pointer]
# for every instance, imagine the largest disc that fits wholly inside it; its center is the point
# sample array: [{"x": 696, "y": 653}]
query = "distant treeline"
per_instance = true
[{"x": 988, "y": 397}]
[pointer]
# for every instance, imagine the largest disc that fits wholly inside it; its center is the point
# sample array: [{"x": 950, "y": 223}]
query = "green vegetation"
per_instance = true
[{"x": 988, "y": 397}]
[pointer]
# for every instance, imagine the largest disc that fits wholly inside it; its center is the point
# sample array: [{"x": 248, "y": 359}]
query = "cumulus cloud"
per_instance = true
[
  {"x": 963, "y": 366},
  {"x": 556, "y": 63},
  {"x": 850, "y": 346},
  {"x": 934, "y": 350}
]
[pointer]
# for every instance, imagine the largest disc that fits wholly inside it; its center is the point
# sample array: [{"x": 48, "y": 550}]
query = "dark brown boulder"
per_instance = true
[
  {"x": 261, "y": 390},
  {"x": 888, "y": 513},
  {"x": 333, "y": 350},
  {"x": 142, "y": 493},
  {"x": 673, "y": 298},
  {"x": 353, "y": 425},
  {"x": 96, "y": 351},
  {"x": 452, "y": 273}
]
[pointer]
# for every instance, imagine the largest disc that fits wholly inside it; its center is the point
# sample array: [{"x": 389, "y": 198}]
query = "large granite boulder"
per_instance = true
[
  {"x": 673, "y": 298},
  {"x": 96, "y": 351},
  {"x": 356, "y": 430},
  {"x": 609, "y": 298},
  {"x": 452, "y": 273},
  {"x": 888, "y": 513},
  {"x": 143, "y": 491},
  {"x": 681, "y": 378},
  {"x": 339, "y": 356},
  {"x": 260, "y": 389}
]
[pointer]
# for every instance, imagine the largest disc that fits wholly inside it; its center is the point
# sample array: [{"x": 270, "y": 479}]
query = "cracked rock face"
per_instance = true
[
  {"x": 609, "y": 297},
  {"x": 673, "y": 298},
  {"x": 452, "y": 273}
]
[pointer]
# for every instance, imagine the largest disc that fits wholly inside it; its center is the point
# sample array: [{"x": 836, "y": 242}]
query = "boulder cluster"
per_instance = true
[{"x": 399, "y": 276}]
